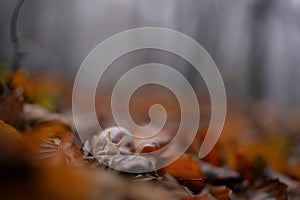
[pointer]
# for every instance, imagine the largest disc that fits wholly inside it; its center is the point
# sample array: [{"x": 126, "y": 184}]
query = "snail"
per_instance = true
[
  {"x": 114, "y": 152},
  {"x": 112, "y": 148},
  {"x": 116, "y": 134}
]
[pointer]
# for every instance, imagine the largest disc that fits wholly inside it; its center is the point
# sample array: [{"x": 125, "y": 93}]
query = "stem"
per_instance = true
[{"x": 14, "y": 36}]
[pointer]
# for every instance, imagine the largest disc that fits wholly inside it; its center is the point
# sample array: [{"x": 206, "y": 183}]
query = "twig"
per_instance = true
[{"x": 18, "y": 52}]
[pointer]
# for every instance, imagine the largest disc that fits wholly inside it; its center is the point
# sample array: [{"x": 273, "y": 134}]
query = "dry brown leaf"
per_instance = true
[
  {"x": 221, "y": 192},
  {"x": 51, "y": 129},
  {"x": 214, "y": 156},
  {"x": 194, "y": 185},
  {"x": 244, "y": 166},
  {"x": 8, "y": 129},
  {"x": 200, "y": 197},
  {"x": 250, "y": 169},
  {"x": 184, "y": 168},
  {"x": 48, "y": 90},
  {"x": 15, "y": 163},
  {"x": 11, "y": 105},
  {"x": 171, "y": 184},
  {"x": 52, "y": 141},
  {"x": 221, "y": 176},
  {"x": 56, "y": 151},
  {"x": 269, "y": 189},
  {"x": 187, "y": 171}
]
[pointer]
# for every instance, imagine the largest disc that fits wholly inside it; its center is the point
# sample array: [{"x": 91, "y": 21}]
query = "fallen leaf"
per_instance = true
[
  {"x": 200, "y": 197},
  {"x": 46, "y": 89},
  {"x": 269, "y": 189},
  {"x": 221, "y": 192},
  {"x": 171, "y": 184},
  {"x": 53, "y": 142},
  {"x": 184, "y": 168},
  {"x": 11, "y": 105},
  {"x": 8, "y": 129}
]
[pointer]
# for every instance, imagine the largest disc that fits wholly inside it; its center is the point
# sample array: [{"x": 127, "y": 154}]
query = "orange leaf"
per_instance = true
[
  {"x": 52, "y": 141},
  {"x": 8, "y": 129},
  {"x": 184, "y": 168},
  {"x": 214, "y": 156},
  {"x": 244, "y": 166},
  {"x": 201, "y": 197}
]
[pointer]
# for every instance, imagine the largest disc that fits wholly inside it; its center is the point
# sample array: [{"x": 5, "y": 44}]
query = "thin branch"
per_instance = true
[{"x": 18, "y": 52}]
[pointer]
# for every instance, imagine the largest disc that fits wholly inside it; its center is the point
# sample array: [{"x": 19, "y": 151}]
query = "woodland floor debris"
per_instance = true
[{"x": 41, "y": 156}]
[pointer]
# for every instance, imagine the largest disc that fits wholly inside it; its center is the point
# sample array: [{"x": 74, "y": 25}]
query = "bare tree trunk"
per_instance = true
[
  {"x": 18, "y": 52},
  {"x": 257, "y": 48}
]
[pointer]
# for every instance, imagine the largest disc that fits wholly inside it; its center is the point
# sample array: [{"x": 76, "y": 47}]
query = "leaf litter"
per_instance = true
[{"x": 42, "y": 157}]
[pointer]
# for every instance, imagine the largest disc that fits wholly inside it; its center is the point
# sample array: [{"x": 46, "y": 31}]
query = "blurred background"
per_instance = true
[{"x": 254, "y": 43}]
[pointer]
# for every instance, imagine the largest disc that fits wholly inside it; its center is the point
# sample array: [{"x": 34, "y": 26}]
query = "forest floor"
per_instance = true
[{"x": 42, "y": 156}]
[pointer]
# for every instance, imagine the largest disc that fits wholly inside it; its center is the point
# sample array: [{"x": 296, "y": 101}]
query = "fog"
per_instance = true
[{"x": 254, "y": 43}]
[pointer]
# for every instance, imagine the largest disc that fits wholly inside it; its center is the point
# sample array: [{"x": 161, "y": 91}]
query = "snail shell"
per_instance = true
[{"x": 112, "y": 147}]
